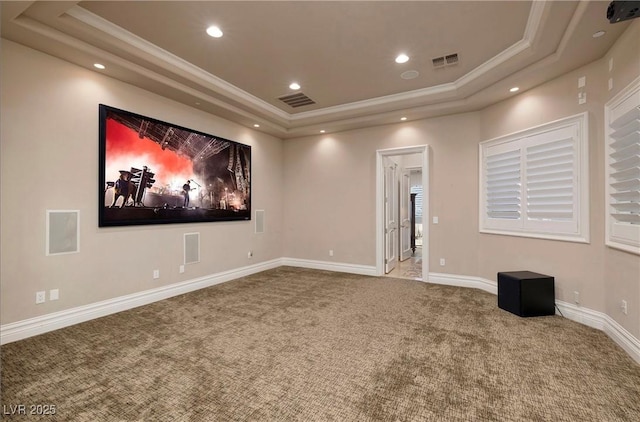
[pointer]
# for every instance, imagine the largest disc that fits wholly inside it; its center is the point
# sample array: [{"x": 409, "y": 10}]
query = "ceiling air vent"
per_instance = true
[
  {"x": 451, "y": 59},
  {"x": 438, "y": 62},
  {"x": 296, "y": 100},
  {"x": 448, "y": 60}
]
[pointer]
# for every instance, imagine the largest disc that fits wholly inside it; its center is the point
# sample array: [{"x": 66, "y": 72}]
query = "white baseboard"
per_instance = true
[
  {"x": 603, "y": 322},
  {"x": 42, "y": 324},
  {"x": 580, "y": 314},
  {"x": 464, "y": 281},
  {"x": 56, "y": 320},
  {"x": 583, "y": 315},
  {"x": 330, "y": 266}
]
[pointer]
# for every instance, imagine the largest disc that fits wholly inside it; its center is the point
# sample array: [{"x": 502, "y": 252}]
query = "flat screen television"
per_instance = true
[{"x": 154, "y": 172}]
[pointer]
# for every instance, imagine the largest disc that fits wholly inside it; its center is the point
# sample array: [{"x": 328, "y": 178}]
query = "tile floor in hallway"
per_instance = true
[{"x": 409, "y": 268}]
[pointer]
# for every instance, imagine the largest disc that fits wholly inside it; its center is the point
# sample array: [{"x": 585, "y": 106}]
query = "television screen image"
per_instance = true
[{"x": 153, "y": 172}]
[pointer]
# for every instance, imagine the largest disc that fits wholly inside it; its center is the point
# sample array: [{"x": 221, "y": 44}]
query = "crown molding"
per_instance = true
[
  {"x": 571, "y": 28},
  {"x": 171, "y": 62},
  {"x": 90, "y": 50}
]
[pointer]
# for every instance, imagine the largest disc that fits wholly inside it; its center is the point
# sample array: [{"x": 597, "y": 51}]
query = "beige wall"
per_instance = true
[
  {"x": 331, "y": 179},
  {"x": 602, "y": 276},
  {"x": 576, "y": 267},
  {"x": 49, "y": 160},
  {"x": 336, "y": 175},
  {"x": 318, "y": 192}
]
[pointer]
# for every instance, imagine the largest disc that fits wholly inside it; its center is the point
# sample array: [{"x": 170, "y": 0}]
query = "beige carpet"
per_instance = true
[{"x": 303, "y": 345}]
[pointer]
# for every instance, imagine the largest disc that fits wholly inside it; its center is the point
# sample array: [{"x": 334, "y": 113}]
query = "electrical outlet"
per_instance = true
[
  {"x": 156, "y": 274},
  {"x": 442, "y": 262},
  {"x": 624, "y": 308},
  {"x": 41, "y": 297},
  {"x": 54, "y": 294},
  {"x": 330, "y": 252},
  {"x": 250, "y": 254},
  {"x": 435, "y": 220},
  {"x": 576, "y": 297},
  {"x": 181, "y": 269}
]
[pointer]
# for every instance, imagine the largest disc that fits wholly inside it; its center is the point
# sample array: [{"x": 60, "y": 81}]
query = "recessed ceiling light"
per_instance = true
[
  {"x": 214, "y": 31},
  {"x": 98, "y": 66},
  {"x": 403, "y": 118},
  {"x": 322, "y": 131},
  {"x": 514, "y": 89},
  {"x": 402, "y": 58},
  {"x": 256, "y": 125},
  {"x": 294, "y": 85},
  {"x": 598, "y": 34}
]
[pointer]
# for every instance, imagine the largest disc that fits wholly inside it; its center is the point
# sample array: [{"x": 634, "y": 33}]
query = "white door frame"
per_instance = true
[{"x": 380, "y": 154}]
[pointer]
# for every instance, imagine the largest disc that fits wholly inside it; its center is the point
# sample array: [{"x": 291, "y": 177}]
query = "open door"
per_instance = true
[
  {"x": 384, "y": 220},
  {"x": 390, "y": 215},
  {"x": 405, "y": 217}
]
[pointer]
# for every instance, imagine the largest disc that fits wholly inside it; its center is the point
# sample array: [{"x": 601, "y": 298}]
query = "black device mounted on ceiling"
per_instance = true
[{"x": 619, "y": 11}]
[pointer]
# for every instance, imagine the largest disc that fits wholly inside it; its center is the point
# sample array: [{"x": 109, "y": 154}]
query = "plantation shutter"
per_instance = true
[
  {"x": 418, "y": 191},
  {"x": 623, "y": 173},
  {"x": 503, "y": 185},
  {"x": 625, "y": 168},
  {"x": 535, "y": 183},
  {"x": 550, "y": 178}
]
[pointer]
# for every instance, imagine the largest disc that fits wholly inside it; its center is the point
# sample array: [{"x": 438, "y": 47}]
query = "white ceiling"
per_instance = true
[{"x": 341, "y": 52}]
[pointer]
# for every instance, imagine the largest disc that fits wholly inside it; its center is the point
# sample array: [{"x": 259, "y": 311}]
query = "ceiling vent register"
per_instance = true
[
  {"x": 448, "y": 60},
  {"x": 296, "y": 100}
]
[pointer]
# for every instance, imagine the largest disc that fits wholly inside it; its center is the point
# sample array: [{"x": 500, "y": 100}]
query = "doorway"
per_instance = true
[
  {"x": 410, "y": 237},
  {"x": 389, "y": 220}
]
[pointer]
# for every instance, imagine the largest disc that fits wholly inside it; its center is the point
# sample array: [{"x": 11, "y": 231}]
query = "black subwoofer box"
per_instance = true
[{"x": 526, "y": 293}]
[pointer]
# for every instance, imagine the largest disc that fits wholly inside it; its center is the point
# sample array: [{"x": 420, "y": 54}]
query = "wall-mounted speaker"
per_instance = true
[
  {"x": 62, "y": 232},
  {"x": 191, "y": 248},
  {"x": 259, "y": 221}
]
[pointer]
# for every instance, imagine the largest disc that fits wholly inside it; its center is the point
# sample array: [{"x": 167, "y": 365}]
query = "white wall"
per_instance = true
[{"x": 49, "y": 160}]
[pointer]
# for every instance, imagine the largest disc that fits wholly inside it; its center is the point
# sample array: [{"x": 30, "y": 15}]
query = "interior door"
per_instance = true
[
  {"x": 405, "y": 218},
  {"x": 390, "y": 214}
]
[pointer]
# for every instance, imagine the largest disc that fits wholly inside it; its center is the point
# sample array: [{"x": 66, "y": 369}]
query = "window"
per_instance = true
[
  {"x": 534, "y": 183},
  {"x": 418, "y": 191},
  {"x": 622, "y": 169}
]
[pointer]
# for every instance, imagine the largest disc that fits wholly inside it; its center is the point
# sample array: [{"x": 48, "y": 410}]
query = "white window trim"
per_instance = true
[
  {"x": 623, "y": 238},
  {"x": 580, "y": 233}
]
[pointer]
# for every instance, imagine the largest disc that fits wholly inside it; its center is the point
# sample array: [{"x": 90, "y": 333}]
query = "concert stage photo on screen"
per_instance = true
[{"x": 153, "y": 172}]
